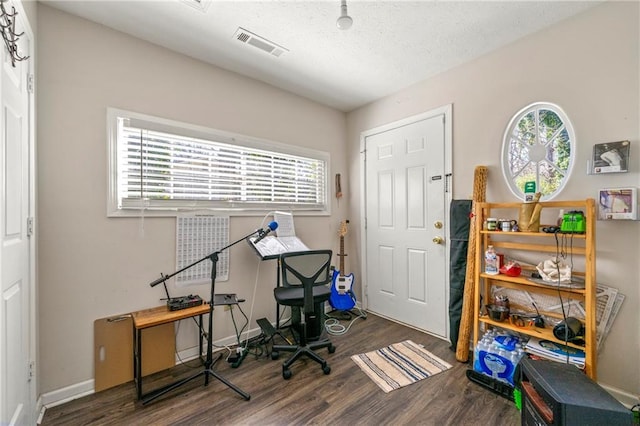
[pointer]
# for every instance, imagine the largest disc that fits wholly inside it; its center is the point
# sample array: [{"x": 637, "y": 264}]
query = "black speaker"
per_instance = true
[
  {"x": 569, "y": 329},
  {"x": 559, "y": 394}
]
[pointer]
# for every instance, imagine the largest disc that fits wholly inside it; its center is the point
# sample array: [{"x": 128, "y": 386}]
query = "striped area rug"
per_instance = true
[{"x": 399, "y": 365}]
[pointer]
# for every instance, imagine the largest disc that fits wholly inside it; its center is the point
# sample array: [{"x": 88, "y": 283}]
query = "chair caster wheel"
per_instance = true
[
  {"x": 275, "y": 355},
  {"x": 332, "y": 349},
  {"x": 326, "y": 369},
  {"x": 286, "y": 373}
]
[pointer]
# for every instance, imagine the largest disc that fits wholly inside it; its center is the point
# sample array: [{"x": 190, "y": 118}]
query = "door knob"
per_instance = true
[
  {"x": 437, "y": 224},
  {"x": 438, "y": 240}
]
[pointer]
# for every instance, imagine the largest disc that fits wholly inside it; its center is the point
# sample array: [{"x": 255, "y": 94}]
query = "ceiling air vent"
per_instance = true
[
  {"x": 261, "y": 43},
  {"x": 201, "y": 5}
]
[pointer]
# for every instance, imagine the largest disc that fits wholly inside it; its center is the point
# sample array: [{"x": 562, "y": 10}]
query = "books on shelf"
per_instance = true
[{"x": 555, "y": 351}]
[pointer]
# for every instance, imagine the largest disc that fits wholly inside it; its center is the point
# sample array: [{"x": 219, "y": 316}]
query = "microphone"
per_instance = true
[
  {"x": 158, "y": 281},
  {"x": 263, "y": 233}
]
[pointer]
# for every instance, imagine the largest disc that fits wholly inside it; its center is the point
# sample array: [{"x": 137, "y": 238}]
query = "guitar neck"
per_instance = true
[{"x": 341, "y": 255}]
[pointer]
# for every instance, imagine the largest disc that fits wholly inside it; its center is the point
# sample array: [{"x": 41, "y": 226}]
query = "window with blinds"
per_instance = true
[{"x": 160, "y": 165}]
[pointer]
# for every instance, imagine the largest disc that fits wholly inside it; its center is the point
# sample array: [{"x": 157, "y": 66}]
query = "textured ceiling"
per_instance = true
[{"x": 391, "y": 45}]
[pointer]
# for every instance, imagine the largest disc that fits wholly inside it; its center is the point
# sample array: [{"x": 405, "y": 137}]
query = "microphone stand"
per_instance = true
[{"x": 209, "y": 362}]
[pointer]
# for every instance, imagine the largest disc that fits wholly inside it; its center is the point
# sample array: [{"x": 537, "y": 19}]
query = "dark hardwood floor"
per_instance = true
[{"x": 346, "y": 396}]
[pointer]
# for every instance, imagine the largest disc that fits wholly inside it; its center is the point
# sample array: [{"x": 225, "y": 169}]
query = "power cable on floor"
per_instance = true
[{"x": 334, "y": 327}]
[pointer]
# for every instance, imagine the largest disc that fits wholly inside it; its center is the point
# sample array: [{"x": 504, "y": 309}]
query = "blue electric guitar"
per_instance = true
[{"x": 342, "y": 297}]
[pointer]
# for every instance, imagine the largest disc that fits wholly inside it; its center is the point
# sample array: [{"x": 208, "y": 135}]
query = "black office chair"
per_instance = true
[{"x": 306, "y": 278}]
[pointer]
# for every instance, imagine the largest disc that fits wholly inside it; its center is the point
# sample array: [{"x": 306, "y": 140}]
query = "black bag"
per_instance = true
[{"x": 459, "y": 222}]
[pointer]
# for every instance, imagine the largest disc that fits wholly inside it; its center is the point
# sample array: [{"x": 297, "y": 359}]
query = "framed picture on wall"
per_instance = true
[
  {"x": 610, "y": 157},
  {"x": 617, "y": 204}
]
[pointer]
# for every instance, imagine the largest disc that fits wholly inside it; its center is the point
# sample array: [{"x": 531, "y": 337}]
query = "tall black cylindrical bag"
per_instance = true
[{"x": 459, "y": 224}]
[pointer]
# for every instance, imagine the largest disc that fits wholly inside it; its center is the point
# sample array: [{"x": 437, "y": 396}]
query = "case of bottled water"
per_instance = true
[{"x": 497, "y": 355}]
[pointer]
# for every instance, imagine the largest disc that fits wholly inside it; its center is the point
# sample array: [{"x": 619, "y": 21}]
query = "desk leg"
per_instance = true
[
  {"x": 200, "y": 332},
  {"x": 208, "y": 364},
  {"x": 138, "y": 360}
]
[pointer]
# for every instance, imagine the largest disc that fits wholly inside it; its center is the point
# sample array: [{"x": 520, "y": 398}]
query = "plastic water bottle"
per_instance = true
[
  {"x": 476, "y": 355},
  {"x": 491, "y": 261},
  {"x": 480, "y": 347}
]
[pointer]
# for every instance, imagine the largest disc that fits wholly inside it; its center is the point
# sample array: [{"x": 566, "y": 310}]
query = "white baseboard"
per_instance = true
[
  {"x": 40, "y": 409},
  {"x": 230, "y": 341},
  {"x": 69, "y": 393},
  {"x": 66, "y": 394},
  {"x": 625, "y": 398}
]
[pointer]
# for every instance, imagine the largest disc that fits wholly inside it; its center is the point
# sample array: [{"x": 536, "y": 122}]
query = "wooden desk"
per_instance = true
[{"x": 154, "y": 317}]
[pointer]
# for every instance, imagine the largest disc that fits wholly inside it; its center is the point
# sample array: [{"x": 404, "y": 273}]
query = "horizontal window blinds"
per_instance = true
[{"x": 166, "y": 169}]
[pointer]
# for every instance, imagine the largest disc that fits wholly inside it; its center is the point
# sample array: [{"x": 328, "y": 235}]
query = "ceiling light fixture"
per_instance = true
[{"x": 344, "y": 22}]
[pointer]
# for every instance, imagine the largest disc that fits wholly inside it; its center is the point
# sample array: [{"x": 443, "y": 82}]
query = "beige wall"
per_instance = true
[
  {"x": 588, "y": 65},
  {"x": 91, "y": 266}
]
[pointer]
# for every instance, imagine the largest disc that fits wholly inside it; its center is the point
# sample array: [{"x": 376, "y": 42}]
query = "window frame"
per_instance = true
[
  {"x": 506, "y": 167},
  {"x": 231, "y": 208}
]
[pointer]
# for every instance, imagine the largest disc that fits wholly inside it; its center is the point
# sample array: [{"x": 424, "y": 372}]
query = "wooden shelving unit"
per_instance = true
[{"x": 582, "y": 245}]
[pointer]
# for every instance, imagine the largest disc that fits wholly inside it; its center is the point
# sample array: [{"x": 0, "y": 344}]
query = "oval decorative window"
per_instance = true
[{"x": 538, "y": 147}]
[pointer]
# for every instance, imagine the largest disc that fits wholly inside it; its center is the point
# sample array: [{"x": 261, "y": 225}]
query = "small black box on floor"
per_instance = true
[{"x": 560, "y": 394}]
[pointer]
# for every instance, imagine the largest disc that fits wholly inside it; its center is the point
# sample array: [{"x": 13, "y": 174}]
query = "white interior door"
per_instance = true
[
  {"x": 16, "y": 175},
  {"x": 406, "y": 206}
]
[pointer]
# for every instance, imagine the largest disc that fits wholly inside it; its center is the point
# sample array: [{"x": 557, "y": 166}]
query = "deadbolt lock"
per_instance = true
[{"x": 437, "y": 224}]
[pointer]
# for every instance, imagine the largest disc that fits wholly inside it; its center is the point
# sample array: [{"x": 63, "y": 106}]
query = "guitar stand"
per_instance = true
[{"x": 341, "y": 315}]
